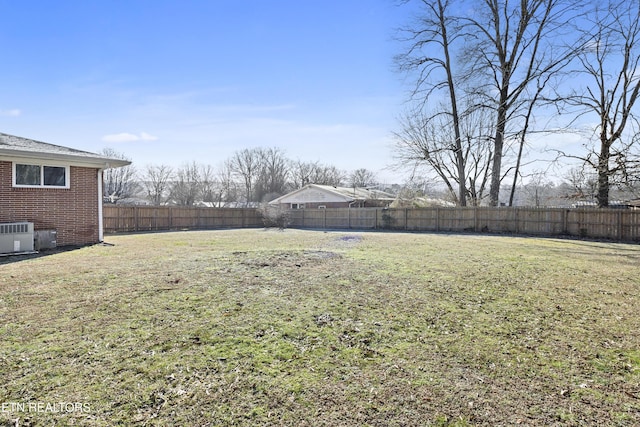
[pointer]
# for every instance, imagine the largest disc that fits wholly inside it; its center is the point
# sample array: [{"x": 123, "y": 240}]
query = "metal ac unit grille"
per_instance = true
[
  {"x": 22, "y": 227},
  {"x": 16, "y": 237}
]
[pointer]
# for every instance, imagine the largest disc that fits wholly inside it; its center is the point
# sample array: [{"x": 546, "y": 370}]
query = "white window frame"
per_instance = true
[{"x": 42, "y": 165}]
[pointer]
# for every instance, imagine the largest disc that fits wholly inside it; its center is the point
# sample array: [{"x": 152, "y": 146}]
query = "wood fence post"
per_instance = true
[
  {"x": 406, "y": 218},
  {"x": 475, "y": 219},
  {"x": 324, "y": 219},
  {"x": 375, "y": 224},
  {"x": 136, "y": 213},
  {"x": 620, "y": 228}
]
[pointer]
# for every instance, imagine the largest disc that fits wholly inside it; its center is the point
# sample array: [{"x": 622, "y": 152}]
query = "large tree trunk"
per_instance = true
[
  {"x": 494, "y": 190},
  {"x": 460, "y": 162},
  {"x": 603, "y": 175}
]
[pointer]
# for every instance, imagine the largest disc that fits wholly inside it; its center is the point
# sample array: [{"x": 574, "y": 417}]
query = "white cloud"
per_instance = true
[
  {"x": 120, "y": 137},
  {"x": 146, "y": 137},
  {"x": 10, "y": 113},
  {"x": 129, "y": 137}
]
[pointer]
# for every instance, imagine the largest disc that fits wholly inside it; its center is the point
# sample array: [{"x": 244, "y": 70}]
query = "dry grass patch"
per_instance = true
[{"x": 254, "y": 327}]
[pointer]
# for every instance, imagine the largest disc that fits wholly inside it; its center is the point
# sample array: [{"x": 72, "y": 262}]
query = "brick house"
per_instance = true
[
  {"x": 54, "y": 187},
  {"x": 314, "y": 196}
]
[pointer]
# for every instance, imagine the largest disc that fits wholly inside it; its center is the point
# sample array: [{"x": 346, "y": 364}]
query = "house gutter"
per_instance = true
[
  {"x": 100, "y": 220},
  {"x": 72, "y": 160}
]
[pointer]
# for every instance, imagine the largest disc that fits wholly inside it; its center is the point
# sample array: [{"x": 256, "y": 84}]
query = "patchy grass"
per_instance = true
[{"x": 254, "y": 327}]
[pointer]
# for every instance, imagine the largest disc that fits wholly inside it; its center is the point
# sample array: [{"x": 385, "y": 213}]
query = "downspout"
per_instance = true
[{"x": 100, "y": 220}]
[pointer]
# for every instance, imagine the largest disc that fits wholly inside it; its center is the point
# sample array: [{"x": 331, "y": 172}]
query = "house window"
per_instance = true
[
  {"x": 27, "y": 175},
  {"x": 297, "y": 205},
  {"x": 54, "y": 176}
]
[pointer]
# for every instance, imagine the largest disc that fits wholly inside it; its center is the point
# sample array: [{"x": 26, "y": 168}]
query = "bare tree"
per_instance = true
[
  {"x": 425, "y": 141},
  {"x": 227, "y": 187},
  {"x": 118, "y": 183},
  {"x": 186, "y": 186},
  {"x": 583, "y": 184},
  {"x": 419, "y": 142},
  {"x": 476, "y": 129},
  {"x": 429, "y": 55},
  {"x": 301, "y": 173},
  {"x": 513, "y": 45},
  {"x": 272, "y": 174},
  {"x": 539, "y": 190},
  {"x": 507, "y": 52},
  {"x": 362, "y": 178},
  {"x": 610, "y": 63},
  {"x": 327, "y": 175},
  {"x": 245, "y": 164},
  {"x": 208, "y": 184},
  {"x": 156, "y": 181},
  {"x": 528, "y": 107}
]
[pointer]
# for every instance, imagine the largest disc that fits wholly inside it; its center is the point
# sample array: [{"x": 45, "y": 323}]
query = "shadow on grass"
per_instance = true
[{"x": 11, "y": 258}]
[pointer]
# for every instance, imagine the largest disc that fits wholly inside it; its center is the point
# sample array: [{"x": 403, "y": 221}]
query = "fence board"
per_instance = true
[
  {"x": 630, "y": 225},
  {"x": 158, "y": 218},
  {"x": 422, "y": 219},
  {"x": 615, "y": 224}
]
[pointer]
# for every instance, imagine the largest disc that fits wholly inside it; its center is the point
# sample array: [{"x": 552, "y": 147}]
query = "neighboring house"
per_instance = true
[
  {"x": 634, "y": 204},
  {"x": 315, "y": 196},
  {"x": 53, "y": 187},
  {"x": 421, "y": 202},
  {"x": 613, "y": 204}
]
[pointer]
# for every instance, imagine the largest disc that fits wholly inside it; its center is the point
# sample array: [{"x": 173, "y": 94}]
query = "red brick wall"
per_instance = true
[{"x": 73, "y": 212}]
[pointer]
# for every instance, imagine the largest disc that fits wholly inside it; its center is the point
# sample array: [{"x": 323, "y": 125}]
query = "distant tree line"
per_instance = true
[
  {"x": 253, "y": 176},
  {"x": 249, "y": 177}
]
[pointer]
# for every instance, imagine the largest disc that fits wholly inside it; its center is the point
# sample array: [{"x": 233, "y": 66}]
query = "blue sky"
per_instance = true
[{"x": 169, "y": 82}]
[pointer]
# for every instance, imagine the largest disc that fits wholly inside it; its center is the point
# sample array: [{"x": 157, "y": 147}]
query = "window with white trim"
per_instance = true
[{"x": 39, "y": 175}]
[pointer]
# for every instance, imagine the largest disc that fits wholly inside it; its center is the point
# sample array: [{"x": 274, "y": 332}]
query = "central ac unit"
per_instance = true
[
  {"x": 45, "y": 239},
  {"x": 16, "y": 237}
]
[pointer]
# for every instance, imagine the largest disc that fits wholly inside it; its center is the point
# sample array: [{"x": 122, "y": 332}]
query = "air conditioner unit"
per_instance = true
[
  {"x": 16, "y": 237},
  {"x": 45, "y": 239}
]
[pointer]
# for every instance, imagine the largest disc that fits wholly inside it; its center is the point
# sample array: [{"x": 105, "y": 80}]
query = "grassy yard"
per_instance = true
[{"x": 295, "y": 328}]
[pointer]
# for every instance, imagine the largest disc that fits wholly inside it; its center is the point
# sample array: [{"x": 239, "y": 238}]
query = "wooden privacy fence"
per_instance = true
[
  {"x": 614, "y": 224},
  {"x": 157, "y": 218}
]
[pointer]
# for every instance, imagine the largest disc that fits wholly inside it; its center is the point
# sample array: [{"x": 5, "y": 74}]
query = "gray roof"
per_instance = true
[
  {"x": 358, "y": 193},
  {"x": 346, "y": 193},
  {"x": 18, "y": 147}
]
